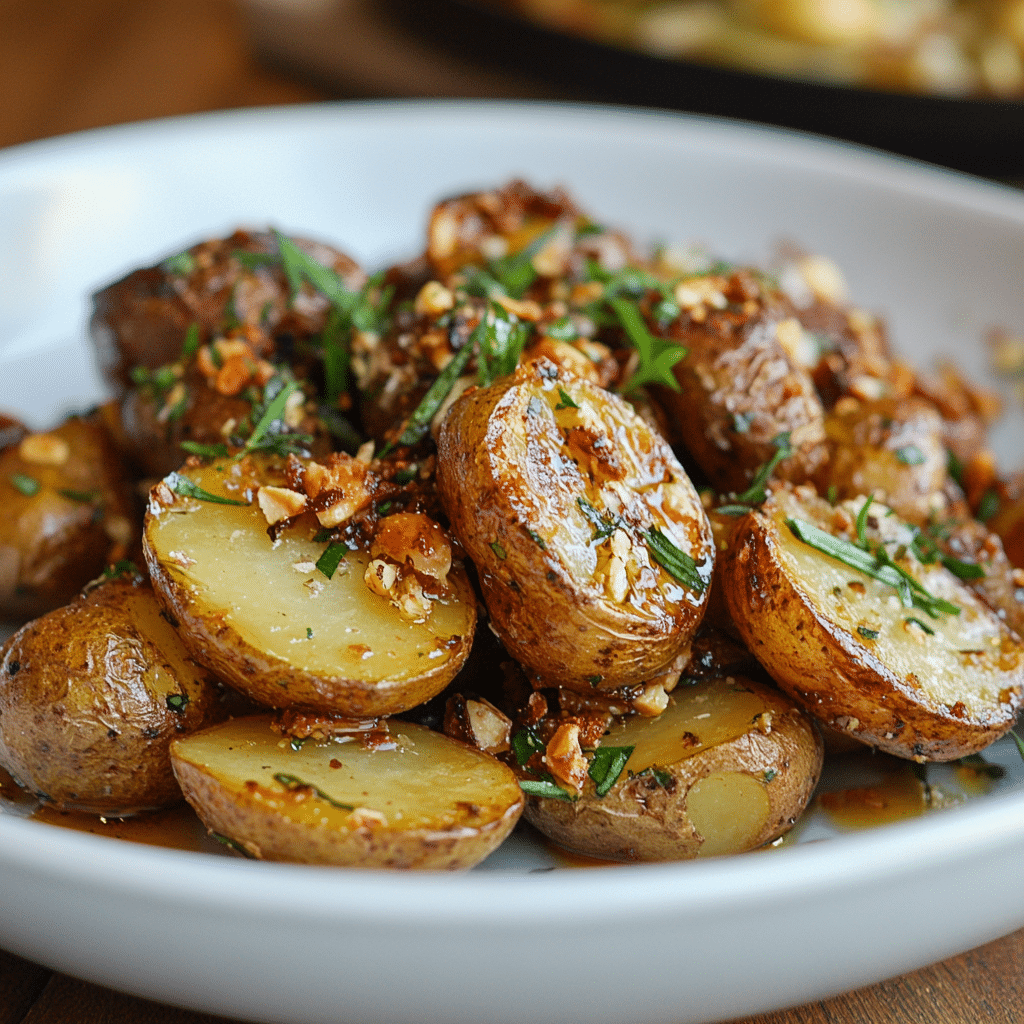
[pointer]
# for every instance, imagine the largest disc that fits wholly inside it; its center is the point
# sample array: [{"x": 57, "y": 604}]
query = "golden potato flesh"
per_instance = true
[
  {"x": 269, "y": 622},
  {"x": 66, "y": 515},
  {"x": 591, "y": 544},
  {"x": 91, "y": 696},
  {"x": 417, "y": 800},
  {"x": 728, "y": 767},
  {"x": 895, "y": 671}
]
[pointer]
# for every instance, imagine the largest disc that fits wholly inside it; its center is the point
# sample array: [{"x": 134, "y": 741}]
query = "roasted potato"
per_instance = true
[
  {"x": 412, "y": 799},
  {"x": 728, "y": 767},
  {"x": 268, "y": 621},
  {"x": 592, "y": 547},
  {"x": 892, "y": 449},
  {"x": 904, "y": 656},
  {"x": 743, "y": 382},
  {"x": 142, "y": 320},
  {"x": 92, "y": 694},
  {"x": 68, "y": 514}
]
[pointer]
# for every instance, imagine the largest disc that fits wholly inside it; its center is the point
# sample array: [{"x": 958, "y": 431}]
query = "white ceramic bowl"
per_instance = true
[{"x": 938, "y": 254}]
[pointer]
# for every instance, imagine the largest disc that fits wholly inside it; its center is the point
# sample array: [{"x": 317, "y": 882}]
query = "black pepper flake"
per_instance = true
[{"x": 13, "y": 668}]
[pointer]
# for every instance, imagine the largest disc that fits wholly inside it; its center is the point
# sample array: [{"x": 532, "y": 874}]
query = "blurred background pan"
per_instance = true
[{"x": 486, "y": 48}]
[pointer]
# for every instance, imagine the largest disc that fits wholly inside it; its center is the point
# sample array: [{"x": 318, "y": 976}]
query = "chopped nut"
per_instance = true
[
  {"x": 479, "y": 723},
  {"x": 652, "y": 702},
  {"x": 433, "y": 299},
  {"x": 824, "y": 278},
  {"x": 564, "y": 757},
  {"x": 380, "y": 577},
  {"x": 44, "y": 450},
  {"x": 278, "y": 503},
  {"x": 364, "y": 817}
]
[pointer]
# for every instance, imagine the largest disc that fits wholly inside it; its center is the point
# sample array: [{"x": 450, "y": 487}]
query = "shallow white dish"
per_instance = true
[{"x": 937, "y": 253}]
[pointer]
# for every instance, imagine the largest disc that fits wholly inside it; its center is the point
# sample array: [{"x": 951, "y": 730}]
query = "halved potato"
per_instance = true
[
  {"x": 421, "y": 800},
  {"x": 728, "y": 767},
  {"x": 91, "y": 696},
  {"x": 927, "y": 685},
  {"x": 269, "y": 622},
  {"x": 571, "y": 507}
]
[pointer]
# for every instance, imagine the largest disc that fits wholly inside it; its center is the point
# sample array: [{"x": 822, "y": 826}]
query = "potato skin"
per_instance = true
[
  {"x": 78, "y": 520},
  {"x": 91, "y": 696},
  {"x": 739, "y": 389},
  {"x": 930, "y": 702},
  {"x": 514, "y": 487},
  {"x": 268, "y": 824},
  {"x": 772, "y": 772}
]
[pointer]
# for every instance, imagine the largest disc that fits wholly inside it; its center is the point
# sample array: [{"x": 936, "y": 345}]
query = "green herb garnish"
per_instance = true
[
  {"x": 82, "y": 497},
  {"x": 868, "y": 634},
  {"x": 497, "y": 548},
  {"x": 525, "y": 744},
  {"x": 657, "y": 356},
  {"x": 418, "y": 424},
  {"x": 184, "y": 263},
  {"x": 606, "y": 766},
  {"x": 273, "y": 412},
  {"x": 329, "y": 561},
  {"x": 547, "y": 788},
  {"x": 177, "y": 702},
  {"x": 910, "y": 455},
  {"x": 27, "y": 485},
  {"x": 988, "y": 506},
  {"x": 566, "y": 401},
  {"x": 232, "y": 844},
  {"x": 188, "y": 489},
  {"x": 293, "y": 783},
  {"x": 675, "y": 562},
  {"x": 875, "y": 563},
  {"x": 190, "y": 346}
]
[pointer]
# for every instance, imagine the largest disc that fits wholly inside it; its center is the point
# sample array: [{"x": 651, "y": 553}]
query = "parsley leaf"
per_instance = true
[
  {"x": 189, "y": 489},
  {"x": 329, "y": 561},
  {"x": 606, "y": 767}
]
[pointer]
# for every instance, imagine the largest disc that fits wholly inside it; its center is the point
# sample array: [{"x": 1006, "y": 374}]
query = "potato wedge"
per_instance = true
[
  {"x": 421, "y": 800},
  {"x": 728, "y": 767},
  {"x": 91, "y": 696},
  {"x": 852, "y": 651},
  {"x": 559, "y": 491},
  {"x": 269, "y": 623}
]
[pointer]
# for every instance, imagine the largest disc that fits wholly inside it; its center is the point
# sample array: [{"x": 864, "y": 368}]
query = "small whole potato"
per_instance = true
[
  {"x": 67, "y": 513},
  {"x": 91, "y": 696},
  {"x": 728, "y": 767}
]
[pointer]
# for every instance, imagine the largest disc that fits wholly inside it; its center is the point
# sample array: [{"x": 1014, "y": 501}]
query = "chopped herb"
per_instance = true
[
  {"x": 499, "y": 340},
  {"x": 769, "y": 774},
  {"x": 566, "y": 400},
  {"x": 418, "y": 424},
  {"x": 910, "y": 455},
  {"x": 177, "y": 702},
  {"x": 868, "y": 634},
  {"x": 1019, "y": 742},
  {"x": 188, "y": 489},
  {"x": 877, "y": 564},
  {"x": 954, "y": 467},
  {"x": 515, "y": 273},
  {"x": 525, "y": 744},
  {"x": 309, "y": 632},
  {"x": 862, "y": 523},
  {"x": 537, "y": 539},
  {"x": 988, "y": 506},
  {"x": 190, "y": 346},
  {"x": 603, "y": 526},
  {"x": 322, "y": 535},
  {"x": 606, "y": 766},
  {"x": 232, "y": 844},
  {"x": 273, "y": 412},
  {"x": 82, "y": 497},
  {"x": 756, "y": 494},
  {"x": 298, "y": 742},
  {"x": 594, "y": 680},
  {"x": 299, "y": 266},
  {"x": 254, "y": 260},
  {"x": 675, "y": 562},
  {"x": 28, "y": 485},
  {"x": 205, "y": 451},
  {"x": 329, "y": 561},
  {"x": 657, "y": 356},
  {"x": 497, "y": 549},
  {"x": 741, "y": 421},
  {"x": 832, "y": 494},
  {"x": 125, "y": 567},
  {"x": 917, "y": 622},
  {"x": 964, "y": 570},
  {"x": 334, "y": 340},
  {"x": 562, "y": 329},
  {"x": 293, "y": 783},
  {"x": 547, "y": 788},
  {"x": 183, "y": 264}
]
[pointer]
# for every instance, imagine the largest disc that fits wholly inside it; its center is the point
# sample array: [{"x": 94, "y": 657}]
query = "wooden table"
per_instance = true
[{"x": 70, "y": 66}]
